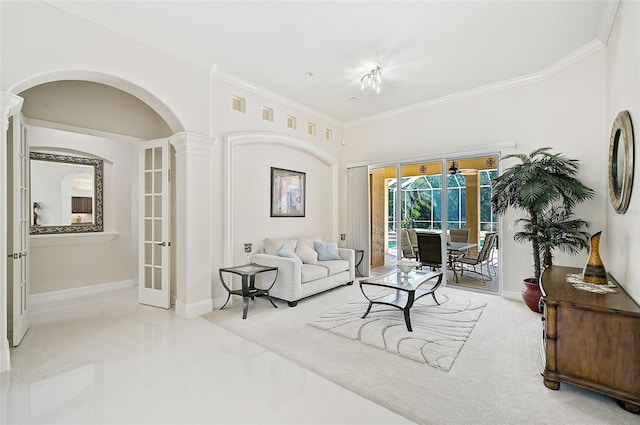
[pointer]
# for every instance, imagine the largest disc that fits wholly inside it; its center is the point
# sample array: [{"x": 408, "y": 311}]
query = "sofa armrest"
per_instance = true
[
  {"x": 349, "y": 255},
  {"x": 288, "y": 284}
]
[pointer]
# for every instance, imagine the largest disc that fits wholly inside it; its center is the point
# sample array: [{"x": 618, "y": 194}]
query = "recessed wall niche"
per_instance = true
[
  {"x": 311, "y": 129},
  {"x": 291, "y": 122},
  {"x": 267, "y": 114},
  {"x": 238, "y": 104}
]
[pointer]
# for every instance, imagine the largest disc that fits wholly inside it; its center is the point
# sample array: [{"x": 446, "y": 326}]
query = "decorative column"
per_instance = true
[
  {"x": 473, "y": 207},
  {"x": 192, "y": 223},
  {"x": 10, "y": 104}
]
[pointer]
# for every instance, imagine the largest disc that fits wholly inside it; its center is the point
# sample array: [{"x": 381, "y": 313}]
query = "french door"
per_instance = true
[
  {"x": 18, "y": 228},
  {"x": 154, "y": 285}
]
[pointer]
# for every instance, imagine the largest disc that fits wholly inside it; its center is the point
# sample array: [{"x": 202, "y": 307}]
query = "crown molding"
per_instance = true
[
  {"x": 608, "y": 18},
  {"x": 261, "y": 91},
  {"x": 604, "y": 29},
  {"x": 562, "y": 64},
  {"x": 35, "y": 122}
]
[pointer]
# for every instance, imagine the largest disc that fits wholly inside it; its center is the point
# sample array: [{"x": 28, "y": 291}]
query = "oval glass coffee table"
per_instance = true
[{"x": 408, "y": 288}]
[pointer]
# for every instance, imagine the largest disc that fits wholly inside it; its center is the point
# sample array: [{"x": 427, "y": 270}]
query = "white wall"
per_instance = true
[
  {"x": 565, "y": 111},
  {"x": 41, "y": 43},
  {"x": 251, "y": 168},
  {"x": 569, "y": 111},
  {"x": 622, "y": 233},
  {"x": 251, "y": 188},
  {"x": 79, "y": 264}
]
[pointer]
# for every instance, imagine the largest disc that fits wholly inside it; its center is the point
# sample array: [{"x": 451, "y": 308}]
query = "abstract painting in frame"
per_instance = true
[{"x": 288, "y": 193}]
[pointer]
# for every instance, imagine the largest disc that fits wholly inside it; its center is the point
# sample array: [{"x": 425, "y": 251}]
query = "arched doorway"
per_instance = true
[{"x": 101, "y": 121}]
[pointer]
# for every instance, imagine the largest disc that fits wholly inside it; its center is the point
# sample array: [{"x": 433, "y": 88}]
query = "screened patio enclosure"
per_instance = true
[
  {"x": 421, "y": 209},
  {"x": 418, "y": 200}
]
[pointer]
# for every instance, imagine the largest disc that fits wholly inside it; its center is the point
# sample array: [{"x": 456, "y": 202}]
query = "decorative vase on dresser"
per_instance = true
[
  {"x": 594, "y": 271},
  {"x": 590, "y": 340}
]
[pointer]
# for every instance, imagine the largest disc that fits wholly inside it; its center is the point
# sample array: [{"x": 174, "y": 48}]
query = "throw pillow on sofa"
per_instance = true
[
  {"x": 327, "y": 251},
  {"x": 306, "y": 254},
  {"x": 273, "y": 245},
  {"x": 286, "y": 251}
]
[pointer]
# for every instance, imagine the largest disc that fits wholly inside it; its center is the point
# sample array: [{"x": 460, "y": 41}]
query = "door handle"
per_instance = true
[
  {"x": 164, "y": 243},
  {"x": 17, "y": 255}
]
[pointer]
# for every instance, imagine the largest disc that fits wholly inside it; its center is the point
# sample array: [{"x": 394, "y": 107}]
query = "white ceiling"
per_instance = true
[{"x": 429, "y": 50}]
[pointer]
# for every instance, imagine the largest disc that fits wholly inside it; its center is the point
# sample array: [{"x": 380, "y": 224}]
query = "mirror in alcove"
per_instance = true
[{"x": 66, "y": 194}]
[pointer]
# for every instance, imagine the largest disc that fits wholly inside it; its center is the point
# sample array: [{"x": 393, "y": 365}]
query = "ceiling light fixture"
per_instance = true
[
  {"x": 454, "y": 168},
  {"x": 372, "y": 79}
]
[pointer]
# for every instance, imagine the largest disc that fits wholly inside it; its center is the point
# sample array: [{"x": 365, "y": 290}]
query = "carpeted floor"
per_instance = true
[
  {"x": 495, "y": 378},
  {"x": 438, "y": 331}
]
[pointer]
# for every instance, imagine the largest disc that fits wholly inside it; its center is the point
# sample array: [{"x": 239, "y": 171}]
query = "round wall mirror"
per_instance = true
[{"x": 621, "y": 152}]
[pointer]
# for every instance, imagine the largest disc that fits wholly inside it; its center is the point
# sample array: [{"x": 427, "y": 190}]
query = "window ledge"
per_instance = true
[{"x": 71, "y": 239}]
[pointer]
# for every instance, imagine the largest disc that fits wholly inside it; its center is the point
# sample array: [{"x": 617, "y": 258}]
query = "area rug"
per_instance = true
[
  {"x": 439, "y": 331},
  {"x": 495, "y": 378}
]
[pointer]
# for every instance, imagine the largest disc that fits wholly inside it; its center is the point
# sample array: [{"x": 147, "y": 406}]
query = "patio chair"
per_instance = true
[
  {"x": 459, "y": 235},
  {"x": 478, "y": 262},
  {"x": 413, "y": 238},
  {"x": 429, "y": 250},
  {"x": 405, "y": 245}
]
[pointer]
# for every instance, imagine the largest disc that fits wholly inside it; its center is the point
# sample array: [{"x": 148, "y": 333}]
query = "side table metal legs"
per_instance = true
[
  {"x": 359, "y": 253},
  {"x": 248, "y": 290}
]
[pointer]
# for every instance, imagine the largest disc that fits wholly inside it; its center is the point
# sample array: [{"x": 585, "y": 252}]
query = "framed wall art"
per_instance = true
[{"x": 288, "y": 191}]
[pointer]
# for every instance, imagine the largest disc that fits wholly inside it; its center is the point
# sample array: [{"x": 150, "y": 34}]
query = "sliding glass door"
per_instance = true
[{"x": 431, "y": 196}]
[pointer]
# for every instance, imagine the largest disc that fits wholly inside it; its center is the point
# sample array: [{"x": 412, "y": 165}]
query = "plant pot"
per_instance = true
[{"x": 531, "y": 294}]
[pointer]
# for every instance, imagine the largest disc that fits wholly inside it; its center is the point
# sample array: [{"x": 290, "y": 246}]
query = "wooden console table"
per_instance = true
[{"x": 590, "y": 340}]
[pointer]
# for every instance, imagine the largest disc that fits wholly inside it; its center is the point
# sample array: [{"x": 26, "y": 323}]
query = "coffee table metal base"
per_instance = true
[{"x": 407, "y": 291}]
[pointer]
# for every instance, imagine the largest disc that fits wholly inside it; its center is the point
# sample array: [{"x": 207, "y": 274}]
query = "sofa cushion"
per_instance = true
[
  {"x": 273, "y": 245},
  {"x": 309, "y": 240},
  {"x": 285, "y": 251},
  {"x": 312, "y": 272},
  {"x": 306, "y": 254},
  {"x": 327, "y": 251},
  {"x": 334, "y": 266}
]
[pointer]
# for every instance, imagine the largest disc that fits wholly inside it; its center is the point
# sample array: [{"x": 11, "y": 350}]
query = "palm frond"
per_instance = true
[{"x": 546, "y": 187}]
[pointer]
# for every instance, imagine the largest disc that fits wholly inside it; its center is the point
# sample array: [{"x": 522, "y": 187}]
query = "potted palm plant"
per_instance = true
[{"x": 545, "y": 186}]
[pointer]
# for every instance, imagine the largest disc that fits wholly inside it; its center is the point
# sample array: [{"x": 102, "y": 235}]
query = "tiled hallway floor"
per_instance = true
[{"x": 109, "y": 360}]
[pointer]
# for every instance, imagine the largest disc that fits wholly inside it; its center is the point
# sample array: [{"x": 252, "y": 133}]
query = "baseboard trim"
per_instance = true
[
  {"x": 192, "y": 310},
  {"x": 219, "y": 302},
  {"x": 512, "y": 295},
  {"x": 5, "y": 363},
  {"x": 47, "y": 300}
]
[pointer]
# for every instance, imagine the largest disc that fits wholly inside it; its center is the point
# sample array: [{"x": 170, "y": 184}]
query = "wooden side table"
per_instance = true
[{"x": 248, "y": 291}]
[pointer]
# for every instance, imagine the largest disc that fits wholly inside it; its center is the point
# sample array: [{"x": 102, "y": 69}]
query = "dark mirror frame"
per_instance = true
[
  {"x": 98, "y": 166},
  {"x": 621, "y": 159}
]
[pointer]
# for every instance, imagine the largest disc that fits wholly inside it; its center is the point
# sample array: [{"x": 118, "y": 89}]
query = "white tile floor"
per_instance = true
[{"x": 109, "y": 360}]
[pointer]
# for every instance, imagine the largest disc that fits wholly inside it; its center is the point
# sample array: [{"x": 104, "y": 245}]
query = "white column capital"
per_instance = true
[
  {"x": 10, "y": 105},
  {"x": 192, "y": 143}
]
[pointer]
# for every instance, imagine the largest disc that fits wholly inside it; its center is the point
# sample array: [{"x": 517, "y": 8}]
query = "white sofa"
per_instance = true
[{"x": 306, "y": 266}]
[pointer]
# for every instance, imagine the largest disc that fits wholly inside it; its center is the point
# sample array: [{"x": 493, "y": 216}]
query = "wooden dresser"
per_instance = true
[{"x": 590, "y": 340}]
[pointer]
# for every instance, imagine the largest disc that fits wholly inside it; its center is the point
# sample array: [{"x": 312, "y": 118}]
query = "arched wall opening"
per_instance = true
[{"x": 104, "y": 117}]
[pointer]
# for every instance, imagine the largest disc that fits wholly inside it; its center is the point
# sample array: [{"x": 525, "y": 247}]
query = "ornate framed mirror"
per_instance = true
[
  {"x": 621, "y": 158},
  {"x": 66, "y": 194}
]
